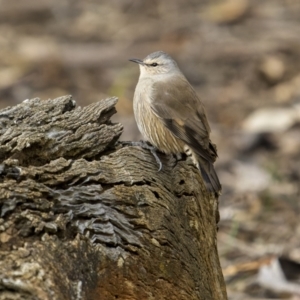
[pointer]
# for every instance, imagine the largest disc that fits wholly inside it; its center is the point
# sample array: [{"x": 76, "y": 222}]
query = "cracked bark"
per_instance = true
[{"x": 85, "y": 217}]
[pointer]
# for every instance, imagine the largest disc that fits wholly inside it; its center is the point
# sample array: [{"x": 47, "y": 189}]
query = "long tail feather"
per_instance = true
[{"x": 210, "y": 176}]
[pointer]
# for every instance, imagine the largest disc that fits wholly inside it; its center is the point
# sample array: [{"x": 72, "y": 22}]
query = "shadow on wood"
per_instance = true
[{"x": 84, "y": 217}]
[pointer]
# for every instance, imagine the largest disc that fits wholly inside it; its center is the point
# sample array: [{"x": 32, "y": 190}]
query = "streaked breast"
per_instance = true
[{"x": 152, "y": 128}]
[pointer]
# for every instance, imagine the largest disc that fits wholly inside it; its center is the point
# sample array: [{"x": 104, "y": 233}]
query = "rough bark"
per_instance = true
[{"x": 84, "y": 217}]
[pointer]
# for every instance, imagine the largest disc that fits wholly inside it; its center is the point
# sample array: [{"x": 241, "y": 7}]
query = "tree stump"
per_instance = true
[{"x": 85, "y": 217}]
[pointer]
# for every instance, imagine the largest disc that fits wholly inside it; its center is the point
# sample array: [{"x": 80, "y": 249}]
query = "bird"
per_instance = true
[{"x": 171, "y": 116}]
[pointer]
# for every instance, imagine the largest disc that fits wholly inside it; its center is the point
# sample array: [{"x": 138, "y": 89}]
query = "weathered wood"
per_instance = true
[{"x": 85, "y": 218}]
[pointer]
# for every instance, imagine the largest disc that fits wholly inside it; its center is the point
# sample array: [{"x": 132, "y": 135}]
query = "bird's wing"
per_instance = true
[{"x": 176, "y": 103}]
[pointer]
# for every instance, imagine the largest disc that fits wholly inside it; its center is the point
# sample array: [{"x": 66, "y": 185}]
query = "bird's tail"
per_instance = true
[{"x": 209, "y": 176}]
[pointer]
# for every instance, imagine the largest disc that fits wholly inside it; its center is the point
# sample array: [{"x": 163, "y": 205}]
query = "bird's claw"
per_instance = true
[{"x": 153, "y": 151}]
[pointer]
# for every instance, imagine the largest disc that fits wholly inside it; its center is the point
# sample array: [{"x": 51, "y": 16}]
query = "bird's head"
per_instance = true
[{"x": 156, "y": 63}]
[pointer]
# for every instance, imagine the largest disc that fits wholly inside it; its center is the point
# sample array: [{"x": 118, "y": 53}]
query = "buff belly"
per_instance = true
[{"x": 153, "y": 129}]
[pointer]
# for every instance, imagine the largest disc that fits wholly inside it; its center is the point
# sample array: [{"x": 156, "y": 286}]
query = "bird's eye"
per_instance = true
[{"x": 154, "y": 64}]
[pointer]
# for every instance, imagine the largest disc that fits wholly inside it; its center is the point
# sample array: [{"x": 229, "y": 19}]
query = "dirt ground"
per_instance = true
[{"x": 242, "y": 57}]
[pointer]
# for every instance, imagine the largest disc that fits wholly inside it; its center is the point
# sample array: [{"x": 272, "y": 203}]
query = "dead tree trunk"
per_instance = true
[{"x": 83, "y": 217}]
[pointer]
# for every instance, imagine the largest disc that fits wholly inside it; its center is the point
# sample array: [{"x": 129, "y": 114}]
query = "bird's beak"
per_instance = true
[{"x": 138, "y": 61}]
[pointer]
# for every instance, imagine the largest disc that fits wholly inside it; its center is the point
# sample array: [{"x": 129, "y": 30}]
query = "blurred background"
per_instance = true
[{"x": 242, "y": 57}]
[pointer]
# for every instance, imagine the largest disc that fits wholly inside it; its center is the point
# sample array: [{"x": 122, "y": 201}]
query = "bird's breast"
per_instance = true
[{"x": 151, "y": 126}]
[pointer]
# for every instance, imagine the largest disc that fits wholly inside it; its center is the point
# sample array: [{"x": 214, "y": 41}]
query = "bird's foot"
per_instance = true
[
  {"x": 178, "y": 156},
  {"x": 147, "y": 146}
]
